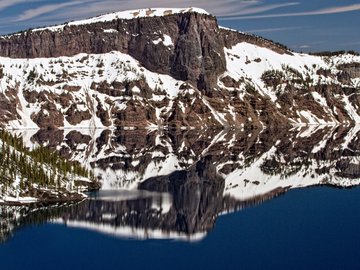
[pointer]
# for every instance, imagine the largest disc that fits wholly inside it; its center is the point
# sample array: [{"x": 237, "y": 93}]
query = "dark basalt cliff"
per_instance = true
[
  {"x": 191, "y": 48},
  {"x": 197, "y": 53}
]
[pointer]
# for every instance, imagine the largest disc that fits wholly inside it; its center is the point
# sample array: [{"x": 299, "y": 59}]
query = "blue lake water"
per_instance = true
[
  {"x": 197, "y": 200},
  {"x": 312, "y": 228}
]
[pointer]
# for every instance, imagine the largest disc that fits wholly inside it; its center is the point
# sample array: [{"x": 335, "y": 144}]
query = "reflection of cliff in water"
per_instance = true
[
  {"x": 176, "y": 184},
  {"x": 135, "y": 214}
]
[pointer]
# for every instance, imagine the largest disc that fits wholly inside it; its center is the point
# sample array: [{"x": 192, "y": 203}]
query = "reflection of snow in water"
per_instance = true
[
  {"x": 131, "y": 232},
  {"x": 253, "y": 167},
  {"x": 123, "y": 169}
]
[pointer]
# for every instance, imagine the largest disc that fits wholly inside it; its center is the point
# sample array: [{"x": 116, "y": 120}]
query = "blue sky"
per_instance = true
[{"x": 303, "y": 25}]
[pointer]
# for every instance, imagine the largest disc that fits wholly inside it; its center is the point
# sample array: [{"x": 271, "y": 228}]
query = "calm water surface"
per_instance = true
[{"x": 255, "y": 200}]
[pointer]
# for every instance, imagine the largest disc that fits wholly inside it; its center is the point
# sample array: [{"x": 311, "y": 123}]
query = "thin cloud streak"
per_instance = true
[
  {"x": 259, "y": 9},
  {"x": 9, "y": 3},
  {"x": 350, "y": 43},
  {"x": 325, "y": 11},
  {"x": 33, "y": 13},
  {"x": 223, "y": 8},
  {"x": 277, "y": 29},
  {"x": 94, "y": 8}
]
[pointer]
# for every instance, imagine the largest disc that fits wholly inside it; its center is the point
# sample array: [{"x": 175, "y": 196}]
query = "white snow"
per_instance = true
[
  {"x": 168, "y": 41},
  {"x": 311, "y": 118},
  {"x": 127, "y": 15},
  {"x": 351, "y": 110},
  {"x": 240, "y": 64},
  {"x": 350, "y": 136},
  {"x": 110, "y": 31},
  {"x": 322, "y": 100},
  {"x": 21, "y": 200},
  {"x": 157, "y": 41}
]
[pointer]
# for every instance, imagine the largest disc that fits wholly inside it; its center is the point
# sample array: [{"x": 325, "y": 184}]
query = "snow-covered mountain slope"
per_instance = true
[
  {"x": 86, "y": 91},
  {"x": 283, "y": 77},
  {"x": 168, "y": 68}
]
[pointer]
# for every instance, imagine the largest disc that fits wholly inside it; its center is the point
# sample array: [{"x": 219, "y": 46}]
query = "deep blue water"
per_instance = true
[{"x": 312, "y": 228}]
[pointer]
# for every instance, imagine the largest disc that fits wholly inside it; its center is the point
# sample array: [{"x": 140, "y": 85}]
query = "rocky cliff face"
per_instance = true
[
  {"x": 175, "y": 69},
  {"x": 188, "y": 47}
]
